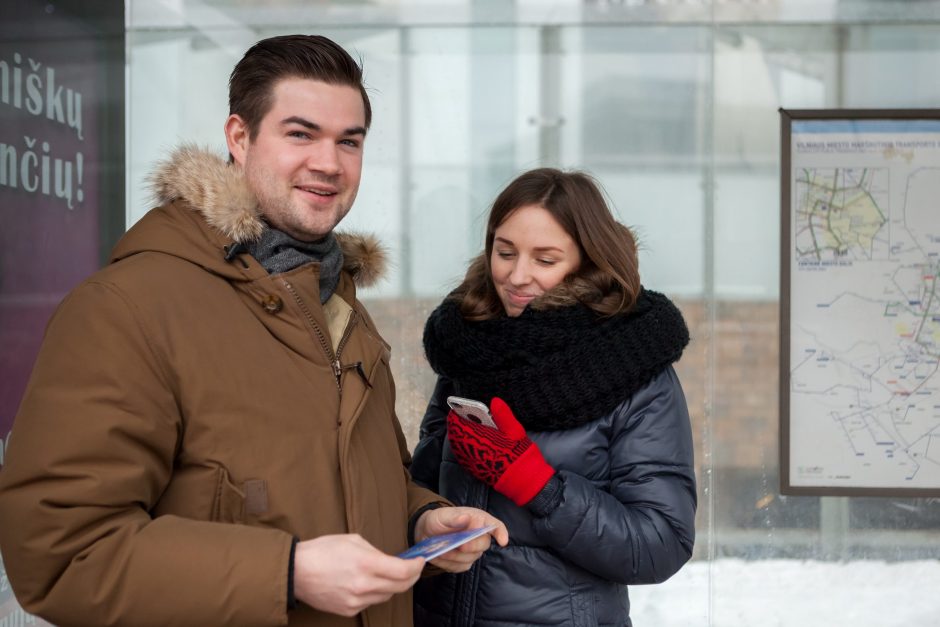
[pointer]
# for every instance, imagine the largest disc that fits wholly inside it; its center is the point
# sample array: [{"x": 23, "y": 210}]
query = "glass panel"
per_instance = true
[
  {"x": 673, "y": 106},
  {"x": 757, "y": 70},
  {"x": 636, "y": 121}
]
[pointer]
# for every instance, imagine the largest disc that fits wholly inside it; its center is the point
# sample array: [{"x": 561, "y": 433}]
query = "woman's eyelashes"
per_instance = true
[{"x": 544, "y": 261}]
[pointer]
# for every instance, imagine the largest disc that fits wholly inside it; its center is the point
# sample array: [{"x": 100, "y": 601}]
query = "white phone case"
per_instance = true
[{"x": 471, "y": 410}]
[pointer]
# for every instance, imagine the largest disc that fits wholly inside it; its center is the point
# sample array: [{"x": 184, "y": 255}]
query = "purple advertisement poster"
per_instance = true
[{"x": 61, "y": 176}]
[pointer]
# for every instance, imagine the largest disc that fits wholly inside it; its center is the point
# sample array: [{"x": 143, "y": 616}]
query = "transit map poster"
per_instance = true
[{"x": 860, "y": 302}]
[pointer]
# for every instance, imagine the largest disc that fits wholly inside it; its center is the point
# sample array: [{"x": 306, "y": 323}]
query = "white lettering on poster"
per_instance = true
[
  {"x": 42, "y": 95},
  {"x": 39, "y": 172},
  {"x": 33, "y": 166}
]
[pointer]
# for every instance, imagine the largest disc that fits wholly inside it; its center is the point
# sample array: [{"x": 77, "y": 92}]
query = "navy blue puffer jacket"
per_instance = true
[{"x": 626, "y": 516}]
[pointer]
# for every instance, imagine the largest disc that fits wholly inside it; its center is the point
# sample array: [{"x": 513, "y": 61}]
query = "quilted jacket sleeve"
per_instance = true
[
  {"x": 91, "y": 452},
  {"x": 426, "y": 461},
  {"x": 642, "y": 529},
  {"x": 420, "y": 495}
]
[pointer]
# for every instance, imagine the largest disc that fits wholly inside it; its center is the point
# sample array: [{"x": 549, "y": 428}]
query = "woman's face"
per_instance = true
[{"x": 531, "y": 254}]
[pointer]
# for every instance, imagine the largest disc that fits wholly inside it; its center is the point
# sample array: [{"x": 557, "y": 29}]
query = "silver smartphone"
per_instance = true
[{"x": 471, "y": 410}]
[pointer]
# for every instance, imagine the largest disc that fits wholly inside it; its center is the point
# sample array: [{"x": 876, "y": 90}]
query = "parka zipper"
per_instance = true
[
  {"x": 333, "y": 358},
  {"x": 353, "y": 318},
  {"x": 469, "y": 581}
]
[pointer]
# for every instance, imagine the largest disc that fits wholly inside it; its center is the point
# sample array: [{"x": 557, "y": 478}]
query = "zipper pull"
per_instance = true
[
  {"x": 362, "y": 373},
  {"x": 339, "y": 368}
]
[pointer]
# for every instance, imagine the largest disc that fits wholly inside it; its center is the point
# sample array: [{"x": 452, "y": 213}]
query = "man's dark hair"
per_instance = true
[{"x": 251, "y": 85}]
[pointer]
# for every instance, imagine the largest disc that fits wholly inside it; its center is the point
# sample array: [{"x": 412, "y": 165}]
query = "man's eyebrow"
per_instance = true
[
  {"x": 355, "y": 130},
  {"x": 295, "y": 119},
  {"x": 313, "y": 126}
]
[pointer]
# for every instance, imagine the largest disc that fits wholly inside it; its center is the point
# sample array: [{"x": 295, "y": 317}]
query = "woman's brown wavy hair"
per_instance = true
[{"x": 608, "y": 279}]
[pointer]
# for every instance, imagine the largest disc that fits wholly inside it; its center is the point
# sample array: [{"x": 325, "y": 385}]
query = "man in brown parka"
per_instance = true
[{"x": 209, "y": 434}]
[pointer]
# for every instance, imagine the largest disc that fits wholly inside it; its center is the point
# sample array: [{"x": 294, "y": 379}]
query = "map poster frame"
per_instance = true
[{"x": 859, "y": 317}]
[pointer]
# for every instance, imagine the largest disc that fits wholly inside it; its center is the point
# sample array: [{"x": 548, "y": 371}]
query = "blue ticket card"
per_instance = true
[{"x": 429, "y": 548}]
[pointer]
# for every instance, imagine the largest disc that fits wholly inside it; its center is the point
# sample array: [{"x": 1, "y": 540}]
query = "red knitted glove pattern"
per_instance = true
[{"x": 503, "y": 458}]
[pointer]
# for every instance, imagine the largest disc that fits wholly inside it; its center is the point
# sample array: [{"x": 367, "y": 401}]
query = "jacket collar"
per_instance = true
[{"x": 218, "y": 192}]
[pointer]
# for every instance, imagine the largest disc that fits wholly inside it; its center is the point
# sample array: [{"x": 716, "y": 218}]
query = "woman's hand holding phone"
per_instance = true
[
  {"x": 501, "y": 455},
  {"x": 471, "y": 410}
]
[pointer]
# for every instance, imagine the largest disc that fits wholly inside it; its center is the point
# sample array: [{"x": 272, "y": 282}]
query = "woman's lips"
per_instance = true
[{"x": 520, "y": 299}]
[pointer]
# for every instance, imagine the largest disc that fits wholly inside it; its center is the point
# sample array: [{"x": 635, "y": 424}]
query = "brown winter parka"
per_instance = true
[{"x": 189, "y": 414}]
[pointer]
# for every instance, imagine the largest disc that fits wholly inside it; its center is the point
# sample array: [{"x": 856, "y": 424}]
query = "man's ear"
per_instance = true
[{"x": 237, "y": 136}]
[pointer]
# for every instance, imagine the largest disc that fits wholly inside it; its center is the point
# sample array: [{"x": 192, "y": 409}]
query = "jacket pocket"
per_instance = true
[
  {"x": 583, "y": 612},
  {"x": 202, "y": 493},
  {"x": 229, "y": 504}
]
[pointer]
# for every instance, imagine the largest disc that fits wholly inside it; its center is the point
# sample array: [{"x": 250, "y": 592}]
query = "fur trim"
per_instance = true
[
  {"x": 364, "y": 257},
  {"x": 218, "y": 191},
  {"x": 213, "y": 187}
]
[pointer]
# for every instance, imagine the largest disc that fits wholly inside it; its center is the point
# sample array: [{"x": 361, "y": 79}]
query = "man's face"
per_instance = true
[{"x": 305, "y": 162}]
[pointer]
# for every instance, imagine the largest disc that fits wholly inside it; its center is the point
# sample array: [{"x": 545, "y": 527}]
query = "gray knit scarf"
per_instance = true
[{"x": 279, "y": 252}]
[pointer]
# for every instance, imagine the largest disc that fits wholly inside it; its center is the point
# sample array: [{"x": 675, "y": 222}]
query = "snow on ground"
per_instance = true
[
  {"x": 792, "y": 593},
  {"x": 765, "y": 593}
]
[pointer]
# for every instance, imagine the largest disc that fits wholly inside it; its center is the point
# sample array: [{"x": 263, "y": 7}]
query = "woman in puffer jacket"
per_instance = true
[{"x": 590, "y": 460}]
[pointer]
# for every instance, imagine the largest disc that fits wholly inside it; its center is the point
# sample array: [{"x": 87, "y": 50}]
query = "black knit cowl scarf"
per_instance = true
[{"x": 556, "y": 368}]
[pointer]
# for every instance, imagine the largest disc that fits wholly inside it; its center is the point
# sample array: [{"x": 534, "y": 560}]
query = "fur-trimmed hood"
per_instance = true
[{"x": 197, "y": 183}]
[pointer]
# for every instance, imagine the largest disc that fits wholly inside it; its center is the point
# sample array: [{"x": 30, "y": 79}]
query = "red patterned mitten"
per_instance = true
[{"x": 505, "y": 459}]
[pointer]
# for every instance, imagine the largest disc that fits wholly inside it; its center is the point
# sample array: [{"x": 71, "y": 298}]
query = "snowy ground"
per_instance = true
[
  {"x": 792, "y": 593},
  {"x": 765, "y": 593}
]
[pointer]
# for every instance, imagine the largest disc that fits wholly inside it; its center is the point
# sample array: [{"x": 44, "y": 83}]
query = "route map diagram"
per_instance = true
[
  {"x": 840, "y": 213},
  {"x": 864, "y": 374}
]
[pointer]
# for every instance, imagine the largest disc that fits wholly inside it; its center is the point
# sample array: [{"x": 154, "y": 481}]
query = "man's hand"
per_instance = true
[
  {"x": 344, "y": 574},
  {"x": 450, "y": 519}
]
